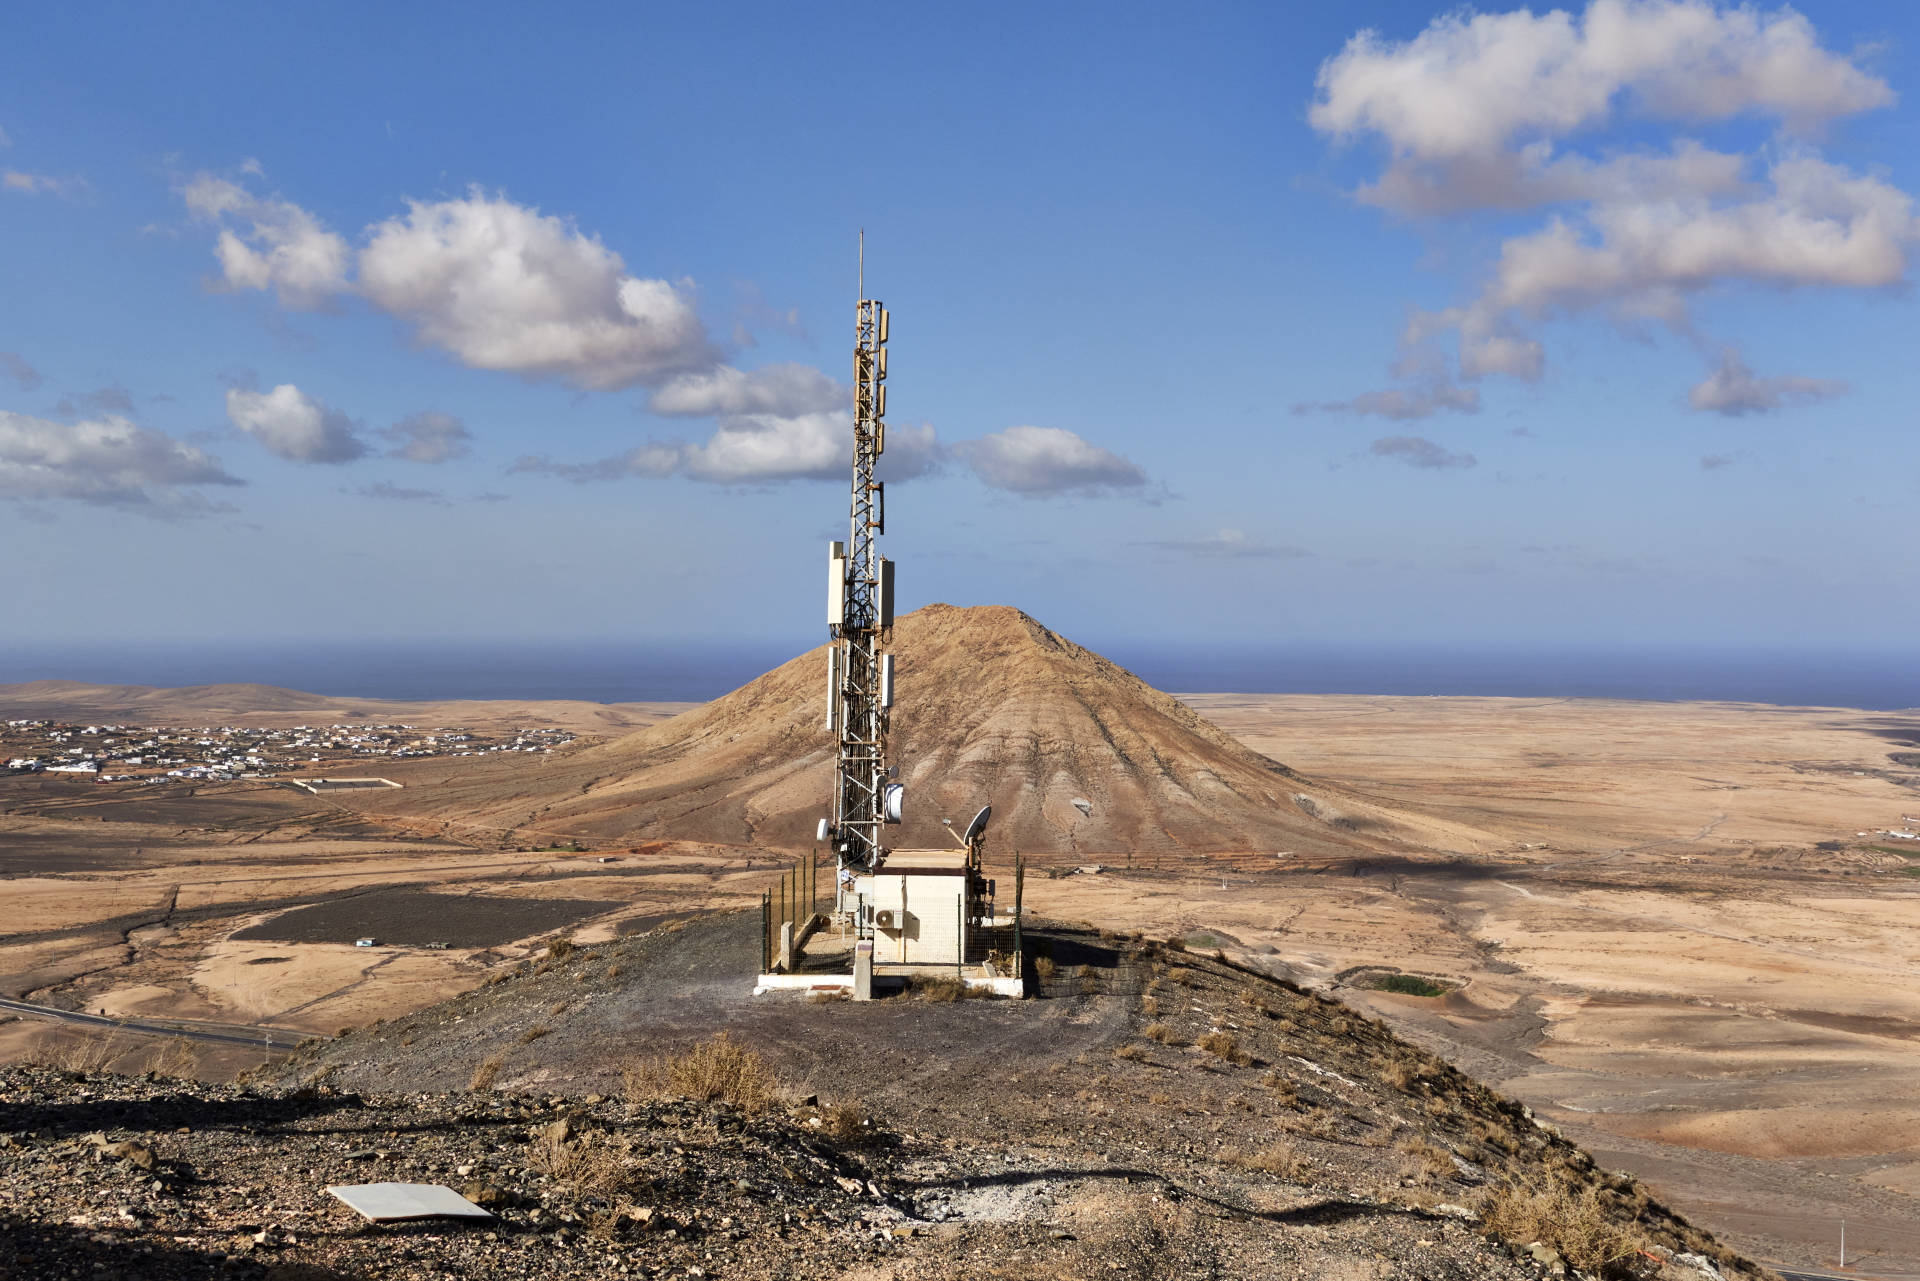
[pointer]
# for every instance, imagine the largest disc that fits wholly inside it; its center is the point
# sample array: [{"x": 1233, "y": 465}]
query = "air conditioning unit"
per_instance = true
[{"x": 883, "y": 918}]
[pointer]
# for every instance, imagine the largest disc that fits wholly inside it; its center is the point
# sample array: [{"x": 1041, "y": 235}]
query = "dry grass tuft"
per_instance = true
[
  {"x": 1131, "y": 1052},
  {"x": 1222, "y": 1045},
  {"x": 1043, "y": 967},
  {"x": 533, "y": 1034},
  {"x": 1276, "y": 1159},
  {"x": 844, "y": 1122},
  {"x": 483, "y": 1075},
  {"x": 939, "y": 990},
  {"x": 559, "y": 949},
  {"x": 712, "y": 1070},
  {"x": 1577, "y": 1222},
  {"x": 1160, "y": 1032},
  {"x": 1149, "y": 1006}
]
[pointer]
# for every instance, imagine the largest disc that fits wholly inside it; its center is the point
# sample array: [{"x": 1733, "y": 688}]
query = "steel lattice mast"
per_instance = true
[{"x": 860, "y": 617}]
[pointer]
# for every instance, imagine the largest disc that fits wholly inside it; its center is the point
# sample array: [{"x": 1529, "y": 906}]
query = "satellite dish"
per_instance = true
[
  {"x": 978, "y": 827},
  {"x": 820, "y": 833}
]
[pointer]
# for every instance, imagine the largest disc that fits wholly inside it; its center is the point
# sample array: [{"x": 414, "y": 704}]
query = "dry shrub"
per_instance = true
[
  {"x": 1183, "y": 976},
  {"x": 1043, "y": 967},
  {"x": 177, "y": 1058},
  {"x": 559, "y": 949},
  {"x": 1401, "y": 1075},
  {"x": 1149, "y": 1006},
  {"x": 1130, "y": 1052},
  {"x": 1160, "y": 1032},
  {"x": 84, "y": 1054},
  {"x": 844, "y": 1122},
  {"x": 613, "y": 971},
  {"x": 533, "y": 1034},
  {"x": 1276, "y": 1159},
  {"x": 1222, "y": 1045},
  {"x": 939, "y": 990},
  {"x": 714, "y": 1070},
  {"x": 1340, "y": 1027},
  {"x": 1283, "y": 1089},
  {"x": 1089, "y": 985},
  {"x": 1159, "y": 1100},
  {"x": 1434, "y": 1162},
  {"x": 483, "y": 1075},
  {"x": 1577, "y": 1222},
  {"x": 581, "y": 1164}
]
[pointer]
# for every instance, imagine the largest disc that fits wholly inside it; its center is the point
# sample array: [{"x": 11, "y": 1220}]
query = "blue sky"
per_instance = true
[{"x": 1227, "y": 324}]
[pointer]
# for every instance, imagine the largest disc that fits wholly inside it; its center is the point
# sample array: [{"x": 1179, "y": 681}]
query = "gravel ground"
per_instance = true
[{"x": 1154, "y": 1114}]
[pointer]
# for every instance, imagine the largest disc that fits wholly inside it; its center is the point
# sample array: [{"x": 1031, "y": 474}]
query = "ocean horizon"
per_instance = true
[{"x": 648, "y": 671}]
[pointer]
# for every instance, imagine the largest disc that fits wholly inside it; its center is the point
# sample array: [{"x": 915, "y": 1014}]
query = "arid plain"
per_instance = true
[{"x": 1657, "y": 922}]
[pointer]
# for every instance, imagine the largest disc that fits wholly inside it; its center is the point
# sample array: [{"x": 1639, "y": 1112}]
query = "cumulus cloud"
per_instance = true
[
  {"x": 429, "y": 437},
  {"x": 502, "y": 286},
  {"x": 758, "y": 449},
  {"x": 41, "y": 184},
  {"x": 1037, "y": 462},
  {"x": 1476, "y": 114},
  {"x": 294, "y": 425},
  {"x": 16, "y": 367},
  {"x": 268, "y": 243},
  {"x": 1418, "y": 451},
  {"x": 1229, "y": 544},
  {"x": 1474, "y": 85},
  {"x": 1402, "y": 402},
  {"x": 1733, "y": 389},
  {"x": 786, "y": 390},
  {"x": 107, "y": 462}
]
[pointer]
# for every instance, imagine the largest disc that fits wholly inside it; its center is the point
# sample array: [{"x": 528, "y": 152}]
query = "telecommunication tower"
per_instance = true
[{"x": 860, "y": 620}]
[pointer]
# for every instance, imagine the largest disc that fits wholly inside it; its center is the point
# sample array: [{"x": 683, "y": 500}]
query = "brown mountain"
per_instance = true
[{"x": 991, "y": 707}]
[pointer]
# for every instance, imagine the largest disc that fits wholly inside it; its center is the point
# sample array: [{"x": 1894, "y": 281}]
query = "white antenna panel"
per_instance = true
[
  {"x": 836, "y": 584},
  {"x": 886, "y": 680}
]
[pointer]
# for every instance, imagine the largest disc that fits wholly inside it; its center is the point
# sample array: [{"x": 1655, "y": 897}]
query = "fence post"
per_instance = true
[
  {"x": 1019, "y": 892},
  {"x": 766, "y": 924}
]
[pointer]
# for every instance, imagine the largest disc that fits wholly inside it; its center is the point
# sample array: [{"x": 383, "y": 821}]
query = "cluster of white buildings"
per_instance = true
[{"x": 121, "y": 753}]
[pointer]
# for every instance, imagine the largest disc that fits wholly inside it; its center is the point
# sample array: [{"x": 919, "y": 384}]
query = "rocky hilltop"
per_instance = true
[{"x": 630, "y": 1110}]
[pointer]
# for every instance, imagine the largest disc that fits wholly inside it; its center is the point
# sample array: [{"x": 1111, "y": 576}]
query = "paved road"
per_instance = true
[{"x": 274, "y": 1038}]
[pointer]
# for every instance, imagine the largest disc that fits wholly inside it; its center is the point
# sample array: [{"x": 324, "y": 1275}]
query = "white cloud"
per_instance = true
[
  {"x": 429, "y": 437},
  {"x": 270, "y": 244},
  {"x": 1041, "y": 461},
  {"x": 759, "y": 449},
  {"x": 1474, "y": 84},
  {"x": 1229, "y": 544},
  {"x": 1403, "y": 402},
  {"x": 1418, "y": 451},
  {"x": 294, "y": 425},
  {"x": 1471, "y": 112},
  {"x": 37, "y": 184},
  {"x": 1733, "y": 389},
  {"x": 16, "y": 367},
  {"x": 502, "y": 286},
  {"x": 109, "y": 462},
  {"x": 785, "y": 390}
]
